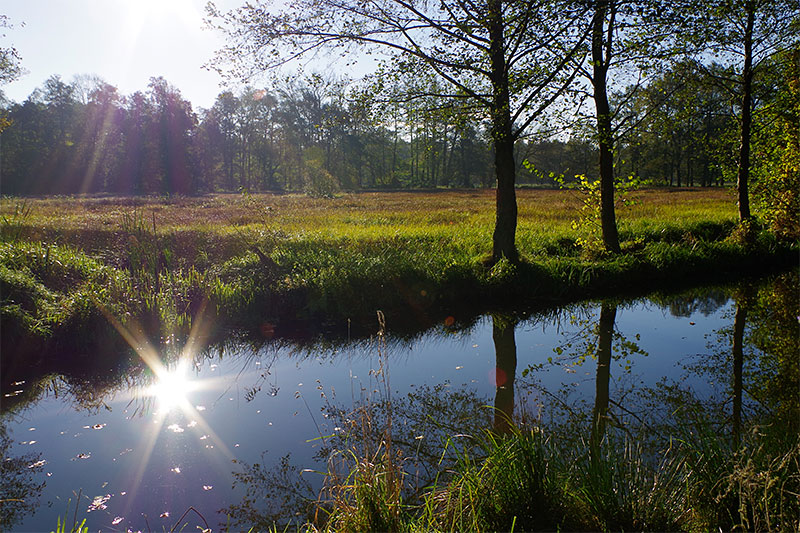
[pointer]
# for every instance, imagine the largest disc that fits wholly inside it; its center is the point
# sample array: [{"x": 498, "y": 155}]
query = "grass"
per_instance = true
[
  {"x": 526, "y": 480},
  {"x": 290, "y": 259}
]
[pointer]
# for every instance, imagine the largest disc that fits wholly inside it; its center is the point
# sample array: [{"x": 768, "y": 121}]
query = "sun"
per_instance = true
[{"x": 172, "y": 388}]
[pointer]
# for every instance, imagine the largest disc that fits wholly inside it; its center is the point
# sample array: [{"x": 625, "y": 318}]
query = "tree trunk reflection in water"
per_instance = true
[
  {"x": 505, "y": 347},
  {"x": 742, "y": 304},
  {"x": 605, "y": 334}
]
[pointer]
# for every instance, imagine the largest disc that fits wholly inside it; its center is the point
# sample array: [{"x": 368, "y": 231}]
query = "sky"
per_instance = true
[{"x": 125, "y": 42}]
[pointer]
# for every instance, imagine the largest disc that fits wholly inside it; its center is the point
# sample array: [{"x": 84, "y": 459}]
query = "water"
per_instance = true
[{"x": 146, "y": 446}]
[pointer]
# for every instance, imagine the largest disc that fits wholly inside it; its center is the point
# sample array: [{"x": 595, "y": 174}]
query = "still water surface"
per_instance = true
[{"x": 141, "y": 453}]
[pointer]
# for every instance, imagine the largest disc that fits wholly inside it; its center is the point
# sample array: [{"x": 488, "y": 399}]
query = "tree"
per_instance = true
[
  {"x": 745, "y": 35},
  {"x": 627, "y": 38},
  {"x": 10, "y": 66},
  {"x": 10, "y": 60},
  {"x": 776, "y": 146},
  {"x": 498, "y": 55}
]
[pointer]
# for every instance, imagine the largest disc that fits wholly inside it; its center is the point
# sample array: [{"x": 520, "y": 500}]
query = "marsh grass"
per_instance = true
[
  {"x": 523, "y": 481},
  {"x": 259, "y": 258}
]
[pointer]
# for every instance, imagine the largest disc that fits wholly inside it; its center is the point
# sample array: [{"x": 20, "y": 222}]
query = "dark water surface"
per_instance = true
[{"x": 208, "y": 432}]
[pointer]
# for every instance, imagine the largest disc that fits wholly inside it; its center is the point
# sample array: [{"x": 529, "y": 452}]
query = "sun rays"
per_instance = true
[{"x": 171, "y": 393}]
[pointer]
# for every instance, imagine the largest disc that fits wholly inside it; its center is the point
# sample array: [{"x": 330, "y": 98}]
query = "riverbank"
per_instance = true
[{"x": 286, "y": 265}]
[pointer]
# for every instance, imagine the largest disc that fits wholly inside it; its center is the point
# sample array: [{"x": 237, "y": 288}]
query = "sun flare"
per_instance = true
[{"x": 172, "y": 388}]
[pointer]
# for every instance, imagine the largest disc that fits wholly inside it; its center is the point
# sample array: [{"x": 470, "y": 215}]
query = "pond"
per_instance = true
[{"x": 238, "y": 433}]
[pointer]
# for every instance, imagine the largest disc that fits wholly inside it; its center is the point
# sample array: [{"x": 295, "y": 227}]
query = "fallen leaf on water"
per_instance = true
[
  {"x": 99, "y": 503},
  {"x": 117, "y": 520}
]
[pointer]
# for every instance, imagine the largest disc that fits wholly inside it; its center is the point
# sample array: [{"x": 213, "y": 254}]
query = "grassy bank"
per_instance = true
[
  {"x": 524, "y": 481},
  {"x": 282, "y": 263}
]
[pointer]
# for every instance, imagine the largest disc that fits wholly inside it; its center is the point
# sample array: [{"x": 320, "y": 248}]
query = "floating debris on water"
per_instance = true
[
  {"x": 38, "y": 464},
  {"x": 117, "y": 520},
  {"x": 177, "y": 470},
  {"x": 175, "y": 428},
  {"x": 82, "y": 456},
  {"x": 208, "y": 487},
  {"x": 99, "y": 503}
]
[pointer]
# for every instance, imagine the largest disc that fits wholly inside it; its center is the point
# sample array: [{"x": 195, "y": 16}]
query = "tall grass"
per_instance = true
[
  {"x": 523, "y": 481},
  {"x": 322, "y": 260}
]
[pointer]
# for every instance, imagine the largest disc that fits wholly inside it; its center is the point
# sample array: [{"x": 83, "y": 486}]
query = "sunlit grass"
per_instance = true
[
  {"x": 366, "y": 216},
  {"x": 257, "y": 255}
]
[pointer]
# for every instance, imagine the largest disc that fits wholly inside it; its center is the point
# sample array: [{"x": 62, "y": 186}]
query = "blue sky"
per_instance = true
[{"x": 125, "y": 42}]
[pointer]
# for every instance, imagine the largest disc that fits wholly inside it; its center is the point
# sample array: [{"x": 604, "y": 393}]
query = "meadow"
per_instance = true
[{"x": 294, "y": 259}]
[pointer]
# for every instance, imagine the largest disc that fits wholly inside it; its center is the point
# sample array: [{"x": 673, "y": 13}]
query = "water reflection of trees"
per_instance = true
[{"x": 19, "y": 488}]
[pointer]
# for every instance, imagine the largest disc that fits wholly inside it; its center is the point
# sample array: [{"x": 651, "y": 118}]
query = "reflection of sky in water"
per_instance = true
[{"x": 160, "y": 449}]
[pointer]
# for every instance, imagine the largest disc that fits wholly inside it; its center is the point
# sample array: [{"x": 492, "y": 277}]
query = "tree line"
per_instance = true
[{"x": 320, "y": 135}]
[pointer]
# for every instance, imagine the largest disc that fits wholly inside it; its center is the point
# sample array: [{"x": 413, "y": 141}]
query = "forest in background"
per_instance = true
[{"x": 318, "y": 134}]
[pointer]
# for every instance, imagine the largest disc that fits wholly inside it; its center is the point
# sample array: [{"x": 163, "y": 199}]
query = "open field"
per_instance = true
[
  {"x": 364, "y": 216},
  {"x": 292, "y": 257}
]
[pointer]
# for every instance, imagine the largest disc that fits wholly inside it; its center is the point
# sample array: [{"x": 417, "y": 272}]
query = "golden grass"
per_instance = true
[{"x": 370, "y": 215}]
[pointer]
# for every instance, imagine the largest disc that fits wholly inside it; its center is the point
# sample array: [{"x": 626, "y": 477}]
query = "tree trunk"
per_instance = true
[
  {"x": 505, "y": 347},
  {"x": 605, "y": 327},
  {"x": 738, "y": 363},
  {"x": 747, "y": 117},
  {"x": 505, "y": 228},
  {"x": 608, "y": 220}
]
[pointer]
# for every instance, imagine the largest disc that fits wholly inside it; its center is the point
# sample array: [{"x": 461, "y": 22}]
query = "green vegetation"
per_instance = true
[
  {"x": 522, "y": 481},
  {"x": 687, "y": 465},
  {"x": 283, "y": 259}
]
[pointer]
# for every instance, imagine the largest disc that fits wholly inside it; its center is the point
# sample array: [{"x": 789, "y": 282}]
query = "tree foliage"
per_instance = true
[{"x": 509, "y": 59}]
